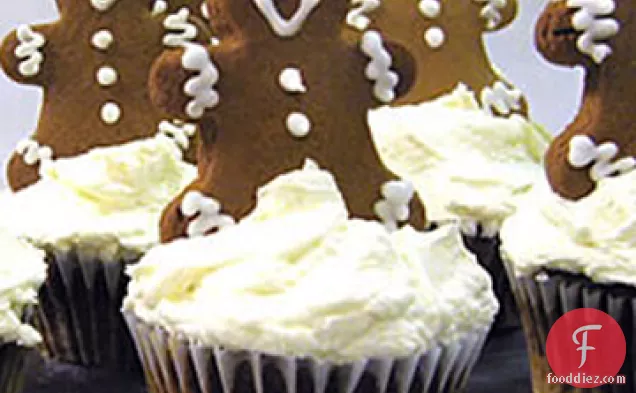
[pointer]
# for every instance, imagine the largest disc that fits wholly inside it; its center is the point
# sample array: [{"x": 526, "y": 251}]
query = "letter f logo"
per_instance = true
[{"x": 583, "y": 346}]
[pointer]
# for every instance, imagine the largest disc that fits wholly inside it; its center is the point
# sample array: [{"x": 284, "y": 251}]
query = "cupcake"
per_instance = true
[
  {"x": 564, "y": 255},
  {"x": 468, "y": 165},
  {"x": 93, "y": 215},
  {"x": 298, "y": 296},
  {"x": 22, "y": 271}
]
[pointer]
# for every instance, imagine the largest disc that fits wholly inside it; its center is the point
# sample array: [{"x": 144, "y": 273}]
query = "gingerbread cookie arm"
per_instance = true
[
  {"x": 182, "y": 82},
  {"x": 23, "y": 54}
]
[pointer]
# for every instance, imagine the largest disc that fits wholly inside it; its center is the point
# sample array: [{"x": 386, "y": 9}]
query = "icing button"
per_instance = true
[
  {"x": 434, "y": 37},
  {"x": 102, "y": 40},
  {"x": 111, "y": 113},
  {"x": 107, "y": 76},
  {"x": 298, "y": 124}
]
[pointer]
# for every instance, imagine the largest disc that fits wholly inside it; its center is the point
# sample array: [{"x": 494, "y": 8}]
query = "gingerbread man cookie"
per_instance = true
[
  {"x": 283, "y": 85},
  {"x": 93, "y": 65},
  {"x": 444, "y": 37},
  {"x": 601, "y": 141}
]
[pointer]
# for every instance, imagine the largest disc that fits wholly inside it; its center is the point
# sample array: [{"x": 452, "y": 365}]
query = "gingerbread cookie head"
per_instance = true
[
  {"x": 93, "y": 66},
  {"x": 288, "y": 82},
  {"x": 445, "y": 38},
  {"x": 601, "y": 141}
]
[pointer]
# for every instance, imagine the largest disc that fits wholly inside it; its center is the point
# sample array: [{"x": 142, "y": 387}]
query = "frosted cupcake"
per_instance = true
[
  {"x": 563, "y": 255},
  {"x": 468, "y": 165},
  {"x": 299, "y": 297},
  {"x": 93, "y": 215},
  {"x": 22, "y": 271}
]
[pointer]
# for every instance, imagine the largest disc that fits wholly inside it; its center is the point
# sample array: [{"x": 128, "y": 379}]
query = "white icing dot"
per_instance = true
[
  {"x": 298, "y": 124},
  {"x": 430, "y": 8},
  {"x": 106, "y": 76},
  {"x": 291, "y": 80},
  {"x": 103, "y": 39},
  {"x": 102, "y": 5},
  {"x": 434, "y": 37},
  {"x": 111, "y": 113}
]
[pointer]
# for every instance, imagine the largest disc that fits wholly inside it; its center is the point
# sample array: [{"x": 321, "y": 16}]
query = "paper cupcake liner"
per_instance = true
[
  {"x": 13, "y": 360},
  {"x": 548, "y": 295},
  {"x": 80, "y": 312},
  {"x": 486, "y": 249},
  {"x": 177, "y": 365}
]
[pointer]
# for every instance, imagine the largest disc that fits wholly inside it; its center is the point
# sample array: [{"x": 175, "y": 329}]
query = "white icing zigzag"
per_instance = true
[
  {"x": 491, "y": 13},
  {"x": 357, "y": 18},
  {"x": 29, "y": 49},
  {"x": 179, "y": 22},
  {"x": 587, "y": 19},
  {"x": 583, "y": 152},
  {"x": 394, "y": 207},
  {"x": 32, "y": 152},
  {"x": 378, "y": 69},
  {"x": 201, "y": 86},
  {"x": 206, "y": 214},
  {"x": 500, "y": 98},
  {"x": 179, "y": 132},
  {"x": 286, "y": 27}
]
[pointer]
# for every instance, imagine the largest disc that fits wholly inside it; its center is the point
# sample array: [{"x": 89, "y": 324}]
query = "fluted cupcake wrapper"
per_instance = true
[
  {"x": 486, "y": 249},
  {"x": 548, "y": 295},
  {"x": 177, "y": 365},
  {"x": 13, "y": 360},
  {"x": 80, "y": 311}
]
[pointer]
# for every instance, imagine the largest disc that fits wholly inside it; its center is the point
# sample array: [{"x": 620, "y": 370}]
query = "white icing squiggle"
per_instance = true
[
  {"x": 378, "y": 69},
  {"x": 291, "y": 80},
  {"x": 286, "y": 27},
  {"x": 32, "y": 152},
  {"x": 357, "y": 18},
  {"x": 102, "y": 5},
  {"x": 298, "y": 124},
  {"x": 179, "y": 132},
  {"x": 29, "y": 49},
  {"x": 491, "y": 13},
  {"x": 159, "y": 7},
  {"x": 182, "y": 30},
  {"x": 594, "y": 29},
  {"x": 583, "y": 152},
  {"x": 207, "y": 213},
  {"x": 394, "y": 207},
  {"x": 200, "y": 87},
  {"x": 500, "y": 98},
  {"x": 204, "y": 10}
]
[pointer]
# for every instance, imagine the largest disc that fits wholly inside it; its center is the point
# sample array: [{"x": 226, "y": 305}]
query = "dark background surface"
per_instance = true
[{"x": 503, "y": 368}]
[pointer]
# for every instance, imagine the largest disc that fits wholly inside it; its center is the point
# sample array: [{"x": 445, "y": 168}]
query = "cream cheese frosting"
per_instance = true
[
  {"x": 464, "y": 162},
  {"x": 22, "y": 271},
  {"x": 298, "y": 277},
  {"x": 105, "y": 199},
  {"x": 595, "y": 236}
]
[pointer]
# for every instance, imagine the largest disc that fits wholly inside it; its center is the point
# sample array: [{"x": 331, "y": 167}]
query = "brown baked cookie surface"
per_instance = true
[
  {"x": 601, "y": 141},
  {"x": 93, "y": 66},
  {"x": 289, "y": 81},
  {"x": 445, "y": 40}
]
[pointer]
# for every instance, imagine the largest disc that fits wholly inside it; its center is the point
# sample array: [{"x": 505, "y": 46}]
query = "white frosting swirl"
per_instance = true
[
  {"x": 595, "y": 236},
  {"x": 463, "y": 162},
  {"x": 105, "y": 198},
  {"x": 298, "y": 277},
  {"x": 22, "y": 271}
]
